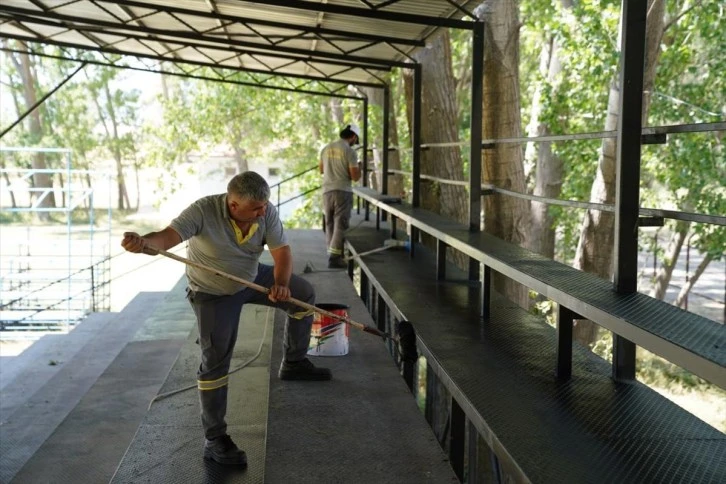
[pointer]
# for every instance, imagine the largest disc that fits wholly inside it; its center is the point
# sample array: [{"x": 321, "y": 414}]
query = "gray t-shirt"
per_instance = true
[
  {"x": 337, "y": 158},
  {"x": 215, "y": 242}
]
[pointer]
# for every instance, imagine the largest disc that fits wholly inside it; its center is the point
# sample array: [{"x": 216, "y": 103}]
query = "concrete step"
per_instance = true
[
  {"x": 44, "y": 358},
  {"x": 107, "y": 417},
  {"x": 168, "y": 445},
  {"x": 27, "y": 423}
]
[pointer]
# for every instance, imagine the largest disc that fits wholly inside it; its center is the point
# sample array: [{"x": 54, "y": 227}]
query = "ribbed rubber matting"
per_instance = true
[
  {"x": 589, "y": 429},
  {"x": 361, "y": 427},
  {"x": 169, "y": 443},
  {"x": 695, "y": 333}
]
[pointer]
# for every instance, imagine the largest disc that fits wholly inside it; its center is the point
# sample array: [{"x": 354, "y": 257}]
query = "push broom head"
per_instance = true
[{"x": 391, "y": 243}]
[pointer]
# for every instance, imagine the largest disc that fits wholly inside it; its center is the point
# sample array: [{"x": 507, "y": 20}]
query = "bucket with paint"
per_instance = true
[{"x": 329, "y": 336}]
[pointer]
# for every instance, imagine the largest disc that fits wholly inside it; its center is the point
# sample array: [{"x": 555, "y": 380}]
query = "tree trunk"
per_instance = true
[
  {"x": 505, "y": 217},
  {"x": 681, "y": 299},
  {"x": 395, "y": 182},
  {"x": 439, "y": 121},
  {"x": 665, "y": 271},
  {"x": 123, "y": 195},
  {"x": 40, "y": 180},
  {"x": 13, "y": 202},
  {"x": 549, "y": 170},
  {"x": 336, "y": 109},
  {"x": 239, "y": 152},
  {"x": 138, "y": 182},
  {"x": 595, "y": 248}
]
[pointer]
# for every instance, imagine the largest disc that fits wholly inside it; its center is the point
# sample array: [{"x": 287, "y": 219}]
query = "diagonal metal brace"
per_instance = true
[{"x": 41, "y": 100}]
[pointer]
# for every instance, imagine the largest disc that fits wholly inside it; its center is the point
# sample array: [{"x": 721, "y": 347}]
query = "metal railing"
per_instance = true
[
  {"x": 489, "y": 189},
  {"x": 279, "y": 184}
]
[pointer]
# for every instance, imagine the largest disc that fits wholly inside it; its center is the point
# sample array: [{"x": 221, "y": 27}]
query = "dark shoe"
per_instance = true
[
  {"x": 303, "y": 370},
  {"x": 337, "y": 263},
  {"x": 224, "y": 451}
]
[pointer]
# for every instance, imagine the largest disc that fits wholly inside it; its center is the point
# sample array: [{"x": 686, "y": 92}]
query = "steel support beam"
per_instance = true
[
  {"x": 486, "y": 293},
  {"x": 160, "y": 58},
  {"x": 477, "y": 88},
  {"x": 416, "y": 135},
  {"x": 386, "y": 141},
  {"x": 41, "y": 100},
  {"x": 627, "y": 201},
  {"x": 365, "y": 143},
  {"x": 441, "y": 260},
  {"x": 186, "y": 76},
  {"x": 457, "y": 442},
  {"x": 565, "y": 322},
  {"x": 475, "y": 146}
]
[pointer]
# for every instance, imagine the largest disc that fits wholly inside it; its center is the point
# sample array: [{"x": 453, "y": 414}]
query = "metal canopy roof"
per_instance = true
[{"x": 324, "y": 44}]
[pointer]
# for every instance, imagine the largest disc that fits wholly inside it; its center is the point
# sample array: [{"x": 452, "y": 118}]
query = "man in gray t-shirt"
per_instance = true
[
  {"x": 228, "y": 232},
  {"x": 339, "y": 166}
]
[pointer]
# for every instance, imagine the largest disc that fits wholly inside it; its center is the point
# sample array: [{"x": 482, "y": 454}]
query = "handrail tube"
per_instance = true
[
  {"x": 647, "y": 130},
  {"x": 603, "y": 207},
  {"x": 293, "y": 176},
  {"x": 300, "y": 195}
]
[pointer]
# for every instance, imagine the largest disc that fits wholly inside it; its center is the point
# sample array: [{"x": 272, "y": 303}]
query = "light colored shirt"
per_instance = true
[
  {"x": 215, "y": 241},
  {"x": 337, "y": 157}
]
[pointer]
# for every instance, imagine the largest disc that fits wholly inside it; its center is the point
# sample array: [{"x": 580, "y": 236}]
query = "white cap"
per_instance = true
[{"x": 354, "y": 128}]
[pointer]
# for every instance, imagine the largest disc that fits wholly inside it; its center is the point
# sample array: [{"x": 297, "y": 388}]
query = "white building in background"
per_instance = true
[{"x": 216, "y": 168}]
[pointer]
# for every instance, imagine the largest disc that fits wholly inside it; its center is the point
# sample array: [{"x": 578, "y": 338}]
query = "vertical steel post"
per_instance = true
[
  {"x": 565, "y": 321},
  {"x": 386, "y": 115},
  {"x": 486, "y": 293},
  {"x": 416, "y": 136},
  {"x": 381, "y": 313},
  {"x": 441, "y": 259},
  {"x": 627, "y": 201},
  {"x": 473, "y": 453},
  {"x": 457, "y": 442},
  {"x": 365, "y": 146},
  {"x": 477, "y": 87}
]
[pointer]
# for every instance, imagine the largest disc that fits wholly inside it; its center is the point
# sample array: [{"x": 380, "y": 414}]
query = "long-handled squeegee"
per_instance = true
[{"x": 406, "y": 338}]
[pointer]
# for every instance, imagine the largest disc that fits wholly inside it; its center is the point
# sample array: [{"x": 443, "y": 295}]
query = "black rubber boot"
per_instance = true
[
  {"x": 224, "y": 451},
  {"x": 337, "y": 262},
  {"x": 303, "y": 370}
]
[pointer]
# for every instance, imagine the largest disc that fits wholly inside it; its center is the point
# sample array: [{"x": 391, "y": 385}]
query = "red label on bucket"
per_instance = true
[{"x": 329, "y": 335}]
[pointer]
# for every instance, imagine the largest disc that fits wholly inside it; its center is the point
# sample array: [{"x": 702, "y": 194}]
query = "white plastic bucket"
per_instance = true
[{"x": 329, "y": 336}]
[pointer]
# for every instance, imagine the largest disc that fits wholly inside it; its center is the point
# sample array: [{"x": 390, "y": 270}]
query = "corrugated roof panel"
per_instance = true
[
  {"x": 107, "y": 38},
  {"x": 21, "y": 3},
  {"x": 223, "y": 43},
  {"x": 10, "y": 29},
  {"x": 200, "y": 24},
  {"x": 42, "y": 30},
  {"x": 144, "y": 48},
  {"x": 85, "y": 10},
  {"x": 164, "y": 21},
  {"x": 75, "y": 37}
]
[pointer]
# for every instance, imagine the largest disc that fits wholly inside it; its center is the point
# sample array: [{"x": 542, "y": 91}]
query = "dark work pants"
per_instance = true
[
  {"x": 337, "y": 206},
  {"x": 218, "y": 321}
]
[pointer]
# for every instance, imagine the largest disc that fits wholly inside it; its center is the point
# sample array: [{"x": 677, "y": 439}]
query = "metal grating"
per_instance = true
[
  {"x": 686, "y": 339},
  {"x": 588, "y": 429}
]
